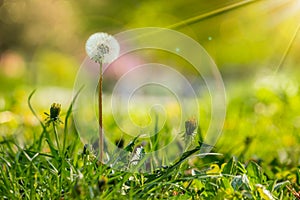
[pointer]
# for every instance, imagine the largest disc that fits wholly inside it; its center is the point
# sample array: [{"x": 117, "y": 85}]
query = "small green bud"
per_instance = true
[
  {"x": 54, "y": 111},
  {"x": 190, "y": 126},
  {"x": 54, "y": 114}
]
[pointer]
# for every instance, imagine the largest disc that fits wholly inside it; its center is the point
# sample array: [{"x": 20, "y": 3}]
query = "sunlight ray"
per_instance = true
[{"x": 200, "y": 17}]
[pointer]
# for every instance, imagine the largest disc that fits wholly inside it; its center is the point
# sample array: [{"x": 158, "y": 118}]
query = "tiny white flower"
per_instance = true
[{"x": 102, "y": 48}]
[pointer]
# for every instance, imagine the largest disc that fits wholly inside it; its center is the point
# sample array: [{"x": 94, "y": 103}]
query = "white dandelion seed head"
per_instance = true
[{"x": 102, "y": 48}]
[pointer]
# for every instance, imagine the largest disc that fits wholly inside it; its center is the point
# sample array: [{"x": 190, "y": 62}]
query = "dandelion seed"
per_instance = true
[{"x": 102, "y": 48}]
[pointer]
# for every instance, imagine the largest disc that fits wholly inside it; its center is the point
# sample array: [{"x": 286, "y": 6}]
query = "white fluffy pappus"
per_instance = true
[{"x": 102, "y": 48}]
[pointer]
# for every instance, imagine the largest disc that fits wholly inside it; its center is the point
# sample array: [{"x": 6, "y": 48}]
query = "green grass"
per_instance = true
[{"x": 257, "y": 157}]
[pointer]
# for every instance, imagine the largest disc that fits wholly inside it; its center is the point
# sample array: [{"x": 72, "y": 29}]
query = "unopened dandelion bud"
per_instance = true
[
  {"x": 55, "y": 111},
  {"x": 102, "y": 182},
  {"x": 190, "y": 126}
]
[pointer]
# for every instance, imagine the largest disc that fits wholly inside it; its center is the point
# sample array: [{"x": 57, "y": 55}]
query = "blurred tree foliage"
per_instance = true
[
  {"x": 29, "y": 24},
  {"x": 255, "y": 34}
]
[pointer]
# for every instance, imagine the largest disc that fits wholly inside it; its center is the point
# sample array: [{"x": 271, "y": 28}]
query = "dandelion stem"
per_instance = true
[
  {"x": 100, "y": 115},
  {"x": 56, "y": 135}
]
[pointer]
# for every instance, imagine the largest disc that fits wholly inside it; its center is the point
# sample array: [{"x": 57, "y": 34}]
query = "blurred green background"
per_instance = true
[
  {"x": 42, "y": 42},
  {"x": 42, "y": 46}
]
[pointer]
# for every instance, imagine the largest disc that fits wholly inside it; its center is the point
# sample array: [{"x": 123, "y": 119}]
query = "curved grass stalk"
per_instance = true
[
  {"x": 33, "y": 111},
  {"x": 48, "y": 140},
  {"x": 68, "y": 114}
]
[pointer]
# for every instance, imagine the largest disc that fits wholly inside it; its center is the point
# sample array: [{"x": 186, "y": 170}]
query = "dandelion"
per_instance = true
[
  {"x": 190, "y": 126},
  {"x": 53, "y": 118},
  {"x": 54, "y": 114},
  {"x": 101, "y": 48}
]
